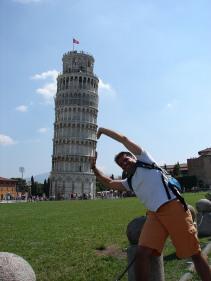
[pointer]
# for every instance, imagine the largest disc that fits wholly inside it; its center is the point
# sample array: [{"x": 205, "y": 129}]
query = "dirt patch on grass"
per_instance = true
[{"x": 111, "y": 251}]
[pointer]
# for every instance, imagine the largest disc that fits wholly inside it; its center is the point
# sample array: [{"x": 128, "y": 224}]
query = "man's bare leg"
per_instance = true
[
  {"x": 202, "y": 267},
  {"x": 142, "y": 263}
]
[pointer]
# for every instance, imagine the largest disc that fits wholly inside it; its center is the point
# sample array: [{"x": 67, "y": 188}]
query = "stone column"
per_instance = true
[
  {"x": 203, "y": 207},
  {"x": 15, "y": 268},
  {"x": 156, "y": 263}
]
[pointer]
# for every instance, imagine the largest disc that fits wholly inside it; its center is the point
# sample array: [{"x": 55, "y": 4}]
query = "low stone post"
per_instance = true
[
  {"x": 15, "y": 268},
  {"x": 156, "y": 263},
  {"x": 203, "y": 207}
]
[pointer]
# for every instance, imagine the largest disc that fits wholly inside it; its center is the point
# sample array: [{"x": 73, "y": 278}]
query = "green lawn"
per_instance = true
[{"x": 59, "y": 239}]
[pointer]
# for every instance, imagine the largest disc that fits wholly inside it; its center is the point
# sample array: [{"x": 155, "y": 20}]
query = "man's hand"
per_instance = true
[
  {"x": 99, "y": 132},
  {"x": 93, "y": 161}
]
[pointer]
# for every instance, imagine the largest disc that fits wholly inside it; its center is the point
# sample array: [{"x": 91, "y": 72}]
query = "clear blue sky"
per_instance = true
[{"x": 153, "y": 58}]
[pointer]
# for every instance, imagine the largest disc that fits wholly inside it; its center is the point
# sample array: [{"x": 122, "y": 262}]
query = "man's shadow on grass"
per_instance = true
[{"x": 170, "y": 257}]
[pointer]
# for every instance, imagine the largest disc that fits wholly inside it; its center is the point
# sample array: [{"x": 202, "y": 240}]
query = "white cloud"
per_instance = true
[
  {"x": 42, "y": 130},
  {"x": 172, "y": 105},
  {"x": 26, "y": 1},
  {"x": 104, "y": 86},
  {"x": 106, "y": 89},
  {"x": 169, "y": 105},
  {"x": 48, "y": 74},
  {"x": 48, "y": 90},
  {"x": 22, "y": 108},
  {"x": 6, "y": 140}
]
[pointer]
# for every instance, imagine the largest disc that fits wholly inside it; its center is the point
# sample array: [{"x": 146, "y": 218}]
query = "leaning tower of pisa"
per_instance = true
[{"x": 76, "y": 108}]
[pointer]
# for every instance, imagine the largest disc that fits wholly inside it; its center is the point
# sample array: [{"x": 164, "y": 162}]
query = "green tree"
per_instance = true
[
  {"x": 176, "y": 170},
  {"x": 99, "y": 186},
  {"x": 187, "y": 182},
  {"x": 21, "y": 185},
  {"x": 33, "y": 187},
  {"x": 46, "y": 187},
  {"x": 39, "y": 188},
  {"x": 201, "y": 184}
]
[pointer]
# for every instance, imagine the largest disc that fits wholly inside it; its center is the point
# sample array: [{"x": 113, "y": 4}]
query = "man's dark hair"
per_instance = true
[{"x": 120, "y": 154}]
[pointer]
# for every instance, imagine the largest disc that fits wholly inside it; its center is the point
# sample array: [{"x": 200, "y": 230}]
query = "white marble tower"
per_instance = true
[{"x": 76, "y": 108}]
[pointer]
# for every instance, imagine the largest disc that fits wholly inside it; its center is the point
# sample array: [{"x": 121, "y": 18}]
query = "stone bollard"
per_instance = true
[
  {"x": 156, "y": 263},
  {"x": 203, "y": 207},
  {"x": 15, "y": 268}
]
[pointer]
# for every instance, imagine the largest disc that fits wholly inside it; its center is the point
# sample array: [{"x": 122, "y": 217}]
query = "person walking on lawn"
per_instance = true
[{"x": 166, "y": 216}]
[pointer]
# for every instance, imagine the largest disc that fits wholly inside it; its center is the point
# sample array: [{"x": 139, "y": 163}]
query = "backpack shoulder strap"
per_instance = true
[
  {"x": 148, "y": 165},
  {"x": 129, "y": 181}
]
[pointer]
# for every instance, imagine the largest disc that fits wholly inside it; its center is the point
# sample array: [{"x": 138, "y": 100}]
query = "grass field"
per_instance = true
[{"x": 59, "y": 239}]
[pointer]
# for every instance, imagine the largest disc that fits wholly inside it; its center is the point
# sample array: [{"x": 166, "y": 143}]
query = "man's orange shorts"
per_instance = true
[{"x": 170, "y": 220}]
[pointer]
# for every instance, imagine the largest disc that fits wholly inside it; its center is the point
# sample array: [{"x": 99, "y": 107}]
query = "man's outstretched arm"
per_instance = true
[
  {"x": 108, "y": 182},
  {"x": 129, "y": 144}
]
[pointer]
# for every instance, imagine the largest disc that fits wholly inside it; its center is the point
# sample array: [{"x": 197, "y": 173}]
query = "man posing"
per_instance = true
[{"x": 166, "y": 216}]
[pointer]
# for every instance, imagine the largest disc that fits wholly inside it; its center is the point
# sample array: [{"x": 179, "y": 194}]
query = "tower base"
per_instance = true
[{"x": 67, "y": 186}]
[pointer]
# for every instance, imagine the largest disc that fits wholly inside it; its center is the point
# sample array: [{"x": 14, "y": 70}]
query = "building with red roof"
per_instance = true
[{"x": 7, "y": 189}]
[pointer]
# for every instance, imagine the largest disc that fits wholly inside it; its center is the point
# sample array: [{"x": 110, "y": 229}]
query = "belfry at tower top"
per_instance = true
[{"x": 74, "y": 61}]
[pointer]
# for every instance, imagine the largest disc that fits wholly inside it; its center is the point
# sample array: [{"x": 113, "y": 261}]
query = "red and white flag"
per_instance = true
[{"x": 75, "y": 41}]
